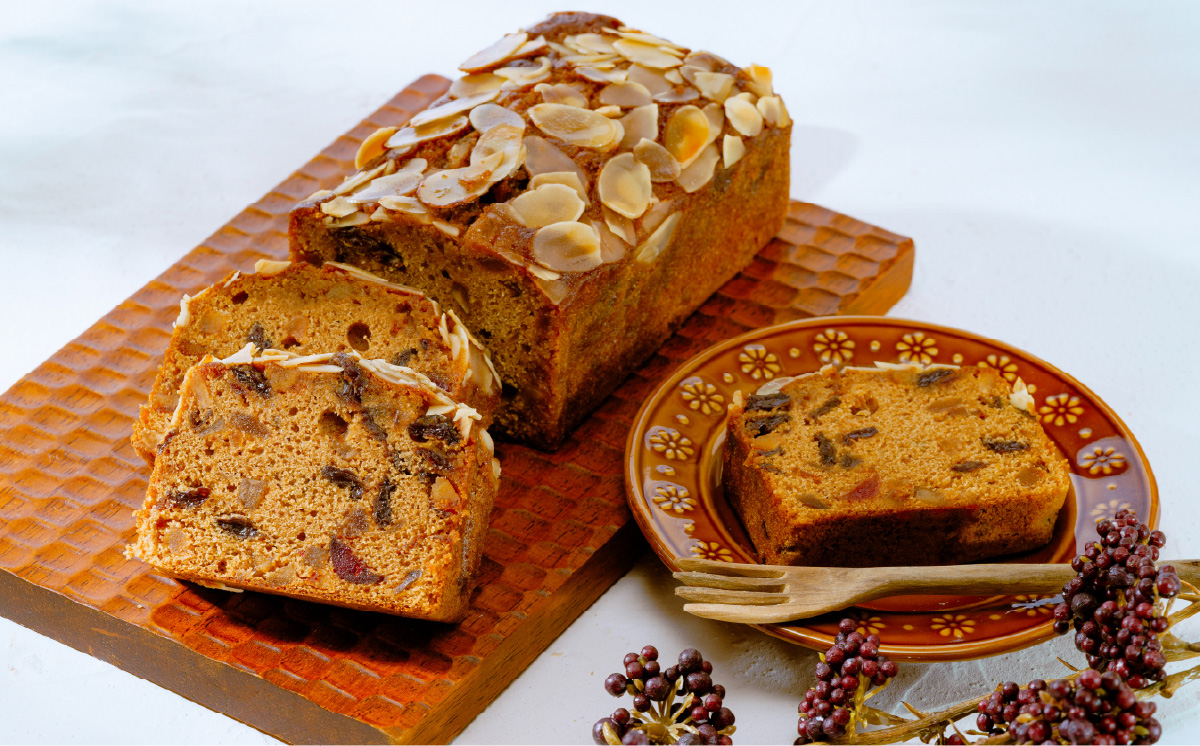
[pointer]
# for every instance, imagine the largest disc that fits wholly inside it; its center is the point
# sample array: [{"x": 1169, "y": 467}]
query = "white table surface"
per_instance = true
[{"x": 1046, "y": 158}]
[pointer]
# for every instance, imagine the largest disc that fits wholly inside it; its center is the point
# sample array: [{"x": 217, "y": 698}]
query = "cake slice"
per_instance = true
[
  {"x": 328, "y": 477},
  {"x": 308, "y": 310},
  {"x": 895, "y": 465}
]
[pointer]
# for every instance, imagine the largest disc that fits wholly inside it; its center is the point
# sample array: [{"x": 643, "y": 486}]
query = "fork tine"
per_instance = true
[
  {"x": 731, "y": 582},
  {"x": 745, "y": 598},
  {"x": 748, "y": 614},
  {"x": 728, "y": 568}
]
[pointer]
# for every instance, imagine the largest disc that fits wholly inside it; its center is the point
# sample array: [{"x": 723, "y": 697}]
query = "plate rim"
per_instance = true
[{"x": 799, "y": 635}]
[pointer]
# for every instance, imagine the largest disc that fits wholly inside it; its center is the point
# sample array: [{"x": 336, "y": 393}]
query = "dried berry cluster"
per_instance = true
[
  {"x": 1095, "y": 708},
  {"x": 1113, "y": 602},
  {"x": 700, "y": 717},
  {"x": 845, "y": 675}
]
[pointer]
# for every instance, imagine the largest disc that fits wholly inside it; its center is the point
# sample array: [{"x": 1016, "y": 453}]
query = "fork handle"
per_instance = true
[{"x": 982, "y": 579}]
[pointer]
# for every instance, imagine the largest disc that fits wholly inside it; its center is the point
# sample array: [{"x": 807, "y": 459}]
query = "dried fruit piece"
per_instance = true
[
  {"x": 402, "y": 183},
  {"x": 486, "y": 116},
  {"x": 258, "y": 337},
  {"x": 579, "y": 127},
  {"x": 563, "y": 93},
  {"x": 864, "y": 490},
  {"x": 658, "y": 240},
  {"x": 566, "y": 178},
  {"x": 410, "y": 136},
  {"x": 648, "y": 55},
  {"x": 773, "y": 111},
  {"x": 743, "y": 116},
  {"x": 186, "y": 498},
  {"x": 695, "y": 176},
  {"x": 503, "y": 50},
  {"x": 962, "y": 467},
  {"x": 238, "y": 526},
  {"x": 938, "y": 375},
  {"x": 344, "y": 478},
  {"x": 251, "y": 378},
  {"x": 662, "y": 165},
  {"x": 373, "y": 146},
  {"x": 686, "y": 134},
  {"x": 626, "y": 95},
  {"x": 999, "y": 445},
  {"x": 640, "y": 124},
  {"x": 434, "y": 426},
  {"x": 826, "y": 449},
  {"x": 350, "y": 568},
  {"x": 812, "y": 501},
  {"x": 732, "y": 150},
  {"x": 549, "y": 203},
  {"x": 411, "y": 577},
  {"x": 767, "y": 402},
  {"x": 450, "y": 109},
  {"x": 624, "y": 185},
  {"x": 473, "y": 85},
  {"x": 567, "y": 247},
  {"x": 826, "y": 407},
  {"x": 767, "y": 425},
  {"x": 859, "y": 434},
  {"x": 251, "y": 491},
  {"x": 383, "y": 503}
]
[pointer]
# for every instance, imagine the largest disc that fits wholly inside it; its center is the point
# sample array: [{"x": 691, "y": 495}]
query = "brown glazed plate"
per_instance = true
[{"x": 673, "y": 472}]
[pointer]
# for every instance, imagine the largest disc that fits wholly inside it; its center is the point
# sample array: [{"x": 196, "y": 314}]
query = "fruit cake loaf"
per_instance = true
[
  {"x": 325, "y": 477},
  {"x": 896, "y": 465},
  {"x": 308, "y": 310},
  {"x": 575, "y": 196}
]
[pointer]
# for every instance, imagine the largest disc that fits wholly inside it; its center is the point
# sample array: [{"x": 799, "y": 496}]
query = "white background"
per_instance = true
[{"x": 1045, "y": 157}]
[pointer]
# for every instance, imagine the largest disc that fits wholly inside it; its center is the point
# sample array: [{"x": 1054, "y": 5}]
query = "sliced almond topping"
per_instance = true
[
  {"x": 658, "y": 240},
  {"x": 473, "y": 85},
  {"x": 486, "y": 116},
  {"x": 653, "y": 80},
  {"x": 759, "y": 82},
  {"x": 518, "y": 77},
  {"x": 600, "y": 61},
  {"x": 556, "y": 290},
  {"x": 743, "y": 116},
  {"x": 531, "y": 46},
  {"x": 705, "y": 61},
  {"x": 640, "y": 124},
  {"x": 695, "y": 176},
  {"x": 626, "y": 95},
  {"x": 563, "y": 93},
  {"x": 678, "y": 95},
  {"x": 447, "y": 228},
  {"x": 445, "y": 188},
  {"x": 579, "y": 127},
  {"x": 656, "y": 215},
  {"x": 566, "y": 178},
  {"x": 714, "y": 86},
  {"x": 373, "y": 146},
  {"x": 503, "y": 50},
  {"x": 592, "y": 43},
  {"x": 405, "y": 181},
  {"x": 662, "y": 165},
  {"x": 450, "y": 109},
  {"x": 339, "y": 207},
  {"x": 460, "y": 152},
  {"x": 380, "y": 216},
  {"x": 409, "y": 205},
  {"x": 716, "y": 120},
  {"x": 674, "y": 77},
  {"x": 356, "y": 180},
  {"x": 543, "y": 157},
  {"x": 409, "y": 136},
  {"x": 549, "y": 203},
  {"x": 598, "y": 75},
  {"x": 502, "y": 139},
  {"x": 610, "y": 111},
  {"x": 543, "y": 274},
  {"x": 732, "y": 149},
  {"x": 481, "y": 171},
  {"x": 354, "y": 218},
  {"x": 686, "y": 134},
  {"x": 567, "y": 247},
  {"x": 624, "y": 185},
  {"x": 649, "y": 55},
  {"x": 773, "y": 111},
  {"x": 658, "y": 41},
  {"x": 612, "y": 247},
  {"x": 619, "y": 225}
]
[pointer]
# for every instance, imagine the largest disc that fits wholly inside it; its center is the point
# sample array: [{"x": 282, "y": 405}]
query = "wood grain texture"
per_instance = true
[{"x": 560, "y": 535}]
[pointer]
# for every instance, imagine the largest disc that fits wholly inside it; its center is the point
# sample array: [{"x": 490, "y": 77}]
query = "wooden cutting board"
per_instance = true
[{"x": 560, "y": 535}]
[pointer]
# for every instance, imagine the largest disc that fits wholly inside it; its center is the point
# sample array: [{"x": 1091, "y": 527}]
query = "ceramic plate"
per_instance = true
[{"x": 674, "y": 452}]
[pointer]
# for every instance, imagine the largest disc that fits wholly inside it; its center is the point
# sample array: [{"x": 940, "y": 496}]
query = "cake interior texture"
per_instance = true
[
  {"x": 331, "y": 478},
  {"x": 637, "y": 178},
  {"x": 308, "y": 310},
  {"x": 898, "y": 466}
]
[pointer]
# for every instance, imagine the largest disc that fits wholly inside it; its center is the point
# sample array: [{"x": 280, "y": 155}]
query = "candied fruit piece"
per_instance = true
[{"x": 350, "y": 568}]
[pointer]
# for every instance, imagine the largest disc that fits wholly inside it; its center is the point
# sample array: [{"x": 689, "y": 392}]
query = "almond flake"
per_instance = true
[
  {"x": 619, "y": 225},
  {"x": 408, "y": 205},
  {"x": 674, "y": 77},
  {"x": 403, "y": 182},
  {"x": 373, "y": 146},
  {"x": 732, "y": 149},
  {"x": 657, "y": 214},
  {"x": 773, "y": 111},
  {"x": 651, "y": 39},
  {"x": 556, "y": 290},
  {"x": 445, "y": 188},
  {"x": 695, "y": 176},
  {"x": 648, "y": 55},
  {"x": 743, "y": 116},
  {"x": 409, "y": 136},
  {"x": 356, "y": 180},
  {"x": 677, "y": 95},
  {"x": 481, "y": 172},
  {"x": 339, "y": 207},
  {"x": 612, "y": 247},
  {"x": 486, "y": 116},
  {"x": 563, "y": 93},
  {"x": 519, "y": 77},
  {"x": 543, "y": 274},
  {"x": 473, "y": 85},
  {"x": 356, "y": 218},
  {"x": 450, "y": 108},
  {"x": 686, "y": 134},
  {"x": 502, "y": 51},
  {"x": 759, "y": 82},
  {"x": 713, "y": 86},
  {"x": 543, "y": 157},
  {"x": 579, "y": 127},
  {"x": 448, "y": 229},
  {"x": 602, "y": 61},
  {"x": 531, "y": 46},
  {"x": 612, "y": 112},
  {"x": 716, "y": 120},
  {"x": 502, "y": 139},
  {"x": 640, "y": 124},
  {"x": 658, "y": 240},
  {"x": 591, "y": 43},
  {"x": 547, "y": 204},
  {"x": 653, "y": 80},
  {"x": 626, "y": 95},
  {"x": 380, "y": 216},
  {"x": 567, "y": 247},
  {"x": 705, "y": 61},
  {"x": 460, "y": 152},
  {"x": 662, "y": 165},
  {"x": 624, "y": 185},
  {"x": 597, "y": 75},
  {"x": 566, "y": 178}
]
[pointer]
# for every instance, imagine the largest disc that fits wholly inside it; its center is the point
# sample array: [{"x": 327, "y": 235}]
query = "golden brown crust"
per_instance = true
[
  {"x": 906, "y": 466},
  {"x": 580, "y": 260}
]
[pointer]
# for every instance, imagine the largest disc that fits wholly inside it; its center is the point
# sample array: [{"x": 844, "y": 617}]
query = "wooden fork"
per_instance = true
[{"x": 767, "y": 594}]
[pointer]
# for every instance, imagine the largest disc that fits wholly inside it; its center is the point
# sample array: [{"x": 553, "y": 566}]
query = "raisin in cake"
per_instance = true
[
  {"x": 309, "y": 310},
  {"x": 575, "y": 197},
  {"x": 898, "y": 465},
  {"x": 327, "y": 477}
]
